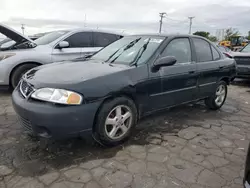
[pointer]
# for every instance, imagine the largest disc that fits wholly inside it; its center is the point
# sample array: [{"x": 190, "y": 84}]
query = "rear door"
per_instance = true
[
  {"x": 207, "y": 59},
  {"x": 80, "y": 44}
]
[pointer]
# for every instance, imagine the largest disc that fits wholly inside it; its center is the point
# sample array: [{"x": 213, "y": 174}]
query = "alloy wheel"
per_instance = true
[
  {"x": 118, "y": 122},
  {"x": 220, "y": 95}
]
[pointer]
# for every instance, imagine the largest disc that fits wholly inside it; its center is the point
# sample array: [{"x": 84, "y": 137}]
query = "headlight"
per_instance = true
[
  {"x": 60, "y": 96},
  {"x": 5, "y": 56}
]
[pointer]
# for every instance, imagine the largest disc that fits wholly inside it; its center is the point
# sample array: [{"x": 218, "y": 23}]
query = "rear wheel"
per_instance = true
[
  {"x": 216, "y": 101},
  {"x": 115, "y": 121},
  {"x": 19, "y": 72}
]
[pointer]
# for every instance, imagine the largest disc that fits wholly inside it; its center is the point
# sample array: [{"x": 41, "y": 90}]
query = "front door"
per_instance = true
[
  {"x": 207, "y": 65},
  {"x": 179, "y": 81},
  {"x": 79, "y": 44}
]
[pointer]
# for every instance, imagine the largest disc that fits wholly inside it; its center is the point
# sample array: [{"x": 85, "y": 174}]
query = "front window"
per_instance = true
[
  {"x": 179, "y": 48},
  {"x": 237, "y": 41},
  {"x": 50, "y": 37},
  {"x": 246, "y": 49},
  {"x": 130, "y": 50}
]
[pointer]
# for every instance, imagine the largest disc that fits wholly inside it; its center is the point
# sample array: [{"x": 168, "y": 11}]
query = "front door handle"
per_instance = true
[
  {"x": 191, "y": 72},
  {"x": 221, "y": 67}
]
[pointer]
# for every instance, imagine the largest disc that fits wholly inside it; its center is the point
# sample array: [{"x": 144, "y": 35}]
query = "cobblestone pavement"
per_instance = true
[{"x": 187, "y": 146}]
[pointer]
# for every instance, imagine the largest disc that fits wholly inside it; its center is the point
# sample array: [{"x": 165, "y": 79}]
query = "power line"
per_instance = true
[
  {"x": 162, "y": 15},
  {"x": 175, "y": 20},
  {"x": 190, "y": 23}
]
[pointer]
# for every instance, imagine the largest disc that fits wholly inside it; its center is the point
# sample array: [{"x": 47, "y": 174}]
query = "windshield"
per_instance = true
[
  {"x": 246, "y": 49},
  {"x": 129, "y": 50},
  {"x": 234, "y": 41},
  {"x": 46, "y": 39}
]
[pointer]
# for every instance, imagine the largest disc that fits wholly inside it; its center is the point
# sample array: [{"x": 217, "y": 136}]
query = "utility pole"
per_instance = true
[
  {"x": 23, "y": 28},
  {"x": 85, "y": 20},
  {"x": 162, "y": 15},
  {"x": 190, "y": 23}
]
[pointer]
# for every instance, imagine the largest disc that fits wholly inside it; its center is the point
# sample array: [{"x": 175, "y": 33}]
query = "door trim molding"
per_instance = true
[
  {"x": 173, "y": 91},
  {"x": 206, "y": 84}
]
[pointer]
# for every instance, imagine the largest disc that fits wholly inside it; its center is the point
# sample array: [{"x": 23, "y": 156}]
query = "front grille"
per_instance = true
[
  {"x": 242, "y": 60},
  {"x": 25, "y": 88},
  {"x": 25, "y": 123}
]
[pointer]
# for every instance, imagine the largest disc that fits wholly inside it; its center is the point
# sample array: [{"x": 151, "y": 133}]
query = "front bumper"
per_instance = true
[
  {"x": 54, "y": 121},
  {"x": 243, "y": 71}
]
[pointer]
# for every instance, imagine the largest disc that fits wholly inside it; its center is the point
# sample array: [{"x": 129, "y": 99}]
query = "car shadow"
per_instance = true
[
  {"x": 30, "y": 158},
  {"x": 241, "y": 82}
]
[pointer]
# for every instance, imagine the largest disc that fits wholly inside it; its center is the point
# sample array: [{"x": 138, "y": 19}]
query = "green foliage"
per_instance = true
[
  {"x": 230, "y": 32},
  {"x": 206, "y": 35},
  {"x": 213, "y": 38},
  {"x": 248, "y": 37},
  {"x": 202, "y": 34}
]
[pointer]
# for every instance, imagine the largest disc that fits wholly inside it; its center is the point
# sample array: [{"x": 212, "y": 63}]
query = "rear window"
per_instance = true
[
  {"x": 203, "y": 50},
  {"x": 104, "y": 39}
]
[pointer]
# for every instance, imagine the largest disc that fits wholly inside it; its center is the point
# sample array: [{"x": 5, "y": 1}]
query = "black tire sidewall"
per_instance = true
[
  {"x": 210, "y": 102},
  {"x": 225, "y": 85},
  {"x": 102, "y": 115},
  {"x": 16, "y": 75}
]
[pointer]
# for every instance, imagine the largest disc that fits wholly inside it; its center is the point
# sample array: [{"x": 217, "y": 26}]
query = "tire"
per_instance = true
[
  {"x": 211, "y": 101},
  {"x": 18, "y": 73},
  {"x": 102, "y": 130}
]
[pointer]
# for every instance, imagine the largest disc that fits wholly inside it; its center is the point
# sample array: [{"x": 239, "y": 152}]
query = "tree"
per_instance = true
[
  {"x": 202, "y": 34},
  {"x": 230, "y": 32},
  {"x": 248, "y": 37},
  {"x": 212, "y": 38},
  {"x": 206, "y": 35}
]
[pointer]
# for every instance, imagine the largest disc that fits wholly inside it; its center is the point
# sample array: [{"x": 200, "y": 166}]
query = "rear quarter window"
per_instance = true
[{"x": 216, "y": 55}]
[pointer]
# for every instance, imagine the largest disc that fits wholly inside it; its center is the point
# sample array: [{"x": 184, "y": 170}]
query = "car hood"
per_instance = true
[
  {"x": 239, "y": 54},
  {"x": 14, "y": 35},
  {"x": 66, "y": 73}
]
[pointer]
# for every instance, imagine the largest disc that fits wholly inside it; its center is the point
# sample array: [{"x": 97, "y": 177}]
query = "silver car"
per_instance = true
[{"x": 23, "y": 54}]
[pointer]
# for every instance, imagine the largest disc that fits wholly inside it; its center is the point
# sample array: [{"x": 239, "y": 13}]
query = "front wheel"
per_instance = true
[
  {"x": 115, "y": 121},
  {"x": 19, "y": 72},
  {"x": 216, "y": 101}
]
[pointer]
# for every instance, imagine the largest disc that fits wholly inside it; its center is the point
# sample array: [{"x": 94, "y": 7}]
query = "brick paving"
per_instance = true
[{"x": 188, "y": 146}]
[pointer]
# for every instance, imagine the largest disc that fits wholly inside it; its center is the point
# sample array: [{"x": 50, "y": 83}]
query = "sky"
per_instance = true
[{"x": 128, "y": 16}]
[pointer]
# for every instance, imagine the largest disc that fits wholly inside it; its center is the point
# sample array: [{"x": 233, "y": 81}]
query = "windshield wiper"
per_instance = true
[
  {"x": 112, "y": 55},
  {"x": 140, "y": 52},
  {"x": 132, "y": 43}
]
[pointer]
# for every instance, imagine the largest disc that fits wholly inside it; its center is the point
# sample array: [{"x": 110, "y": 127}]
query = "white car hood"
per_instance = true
[{"x": 14, "y": 35}]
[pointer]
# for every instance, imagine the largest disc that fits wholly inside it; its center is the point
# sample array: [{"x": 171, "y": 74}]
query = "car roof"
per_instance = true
[
  {"x": 90, "y": 30},
  {"x": 168, "y": 35}
]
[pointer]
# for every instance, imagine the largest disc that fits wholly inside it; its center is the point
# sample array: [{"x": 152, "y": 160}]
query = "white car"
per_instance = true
[{"x": 23, "y": 54}]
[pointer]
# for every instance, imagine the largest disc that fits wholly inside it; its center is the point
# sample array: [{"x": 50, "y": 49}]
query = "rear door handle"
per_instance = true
[
  {"x": 221, "y": 67},
  {"x": 191, "y": 72}
]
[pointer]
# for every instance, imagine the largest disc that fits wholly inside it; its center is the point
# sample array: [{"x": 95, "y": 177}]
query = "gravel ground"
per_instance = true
[{"x": 187, "y": 146}]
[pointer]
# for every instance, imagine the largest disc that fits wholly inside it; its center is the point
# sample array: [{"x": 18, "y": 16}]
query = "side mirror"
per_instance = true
[
  {"x": 63, "y": 44},
  {"x": 164, "y": 62}
]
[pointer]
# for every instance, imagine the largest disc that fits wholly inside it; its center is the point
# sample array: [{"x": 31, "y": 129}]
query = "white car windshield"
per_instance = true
[
  {"x": 50, "y": 37},
  {"x": 246, "y": 49},
  {"x": 129, "y": 50}
]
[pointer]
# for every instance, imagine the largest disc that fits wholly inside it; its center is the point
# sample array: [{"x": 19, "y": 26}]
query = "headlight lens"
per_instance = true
[
  {"x": 60, "y": 96},
  {"x": 5, "y": 56}
]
